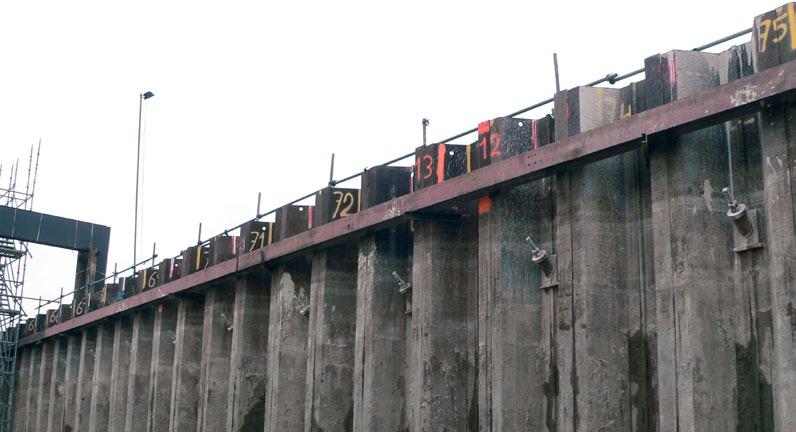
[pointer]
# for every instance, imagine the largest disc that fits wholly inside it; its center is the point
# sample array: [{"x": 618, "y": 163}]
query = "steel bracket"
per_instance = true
[
  {"x": 751, "y": 241},
  {"x": 551, "y": 280}
]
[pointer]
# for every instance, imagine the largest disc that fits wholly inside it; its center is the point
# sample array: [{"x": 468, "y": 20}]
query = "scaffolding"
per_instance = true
[{"x": 13, "y": 265}]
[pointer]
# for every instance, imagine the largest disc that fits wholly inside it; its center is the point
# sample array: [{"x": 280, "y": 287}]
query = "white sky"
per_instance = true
[{"x": 254, "y": 96}]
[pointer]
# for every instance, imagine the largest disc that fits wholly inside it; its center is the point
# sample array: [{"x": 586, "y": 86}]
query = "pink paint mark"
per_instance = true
[
  {"x": 441, "y": 163},
  {"x": 672, "y": 75}
]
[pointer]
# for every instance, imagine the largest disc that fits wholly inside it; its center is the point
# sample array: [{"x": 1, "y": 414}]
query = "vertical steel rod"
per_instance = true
[
  {"x": 555, "y": 67},
  {"x": 425, "y": 125},
  {"x": 331, "y": 172},
  {"x": 137, "y": 168}
]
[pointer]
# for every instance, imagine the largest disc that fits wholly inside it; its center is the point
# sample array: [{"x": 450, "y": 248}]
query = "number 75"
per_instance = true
[{"x": 780, "y": 28}]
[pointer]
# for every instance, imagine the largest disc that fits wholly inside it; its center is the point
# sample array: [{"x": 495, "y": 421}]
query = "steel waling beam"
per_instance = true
[{"x": 771, "y": 87}]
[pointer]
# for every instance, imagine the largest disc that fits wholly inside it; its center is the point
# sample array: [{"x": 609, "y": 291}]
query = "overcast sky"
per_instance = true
[{"x": 254, "y": 96}]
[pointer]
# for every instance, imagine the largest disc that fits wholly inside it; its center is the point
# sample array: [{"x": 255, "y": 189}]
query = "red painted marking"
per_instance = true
[
  {"x": 494, "y": 143},
  {"x": 429, "y": 166},
  {"x": 484, "y": 127},
  {"x": 311, "y": 213},
  {"x": 534, "y": 137},
  {"x": 484, "y": 204},
  {"x": 441, "y": 163}
]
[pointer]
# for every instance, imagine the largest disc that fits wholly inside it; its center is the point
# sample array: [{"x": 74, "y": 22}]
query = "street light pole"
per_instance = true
[{"x": 141, "y": 99}]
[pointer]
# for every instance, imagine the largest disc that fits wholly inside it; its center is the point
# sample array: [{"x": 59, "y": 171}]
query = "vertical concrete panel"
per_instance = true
[
  {"x": 444, "y": 317},
  {"x": 216, "y": 349},
  {"x": 778, "y": 135},
  {"x": 287, "y": 348},
  {"x": 753, "y": 326},
  {"x": 101, "y": 384},
  {"x": 249, "y": 364},
  {"x": 162, "y": 367},
  {"x": 600, "y": 277},
  {"x": 21, "y": 385},
  {"x": 329, "y": 404},
  {"x": 693, "y": 255},
  {"x": 85, "y": 378},
  {"x": 55, "y": 415},
  {"x": 138, "y": 377},
  {"x": 45, "y": 383},
  {"x": 70, "y": 383},
  {"x": 187, "y": 357},
  {"x": 512, "y": 356},
  {"x": 779, "y": 157},
  {"x": 380, "y": 360},
  {"x": 120, "y": 372},
  {"x": 32, "y": 396}
]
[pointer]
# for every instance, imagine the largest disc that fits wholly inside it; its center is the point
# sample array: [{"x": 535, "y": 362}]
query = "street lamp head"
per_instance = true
[{"x": 147, "y": 95}]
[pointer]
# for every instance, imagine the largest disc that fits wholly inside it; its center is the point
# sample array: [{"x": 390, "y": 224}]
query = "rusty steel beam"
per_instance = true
[{"x": 773, "y": 86}]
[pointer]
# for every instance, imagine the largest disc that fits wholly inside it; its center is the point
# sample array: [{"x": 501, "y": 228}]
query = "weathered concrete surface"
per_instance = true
[
  {"x": 444, "y": 317},
  {"x": 22, "y": 385},
  {"x": 249, "y": 363},
  {"x": 33, "y": 388},
  {"x": 138, "y": 378},
  {"x": 329, "y": 403},
  {"x": 21, "y": 388},
  {"x": 600, "y": 285},
  {"x": 693, "y": 257},
  {"x": 120, "y": 370},
  {"x": 55, "y": 415},
  {"x": 187, "y": 357},
  {"x": 778, "y": 133},
  {"x": 287, "y": 347},
  {"x": 70, "y": 382},
  {"x": 780, "y": 145},
  {"x": 381, "y": 384},
  {"x": 511, "y": 361},
  {"x": 85, "y": 377},
  {"x": 215, "y": 359},
  {"x": 754, "y": 349},
  {"x": 162, "y": 367},
  {"x": 45, "y": 384},
  {"x": 101, "y": 383}
]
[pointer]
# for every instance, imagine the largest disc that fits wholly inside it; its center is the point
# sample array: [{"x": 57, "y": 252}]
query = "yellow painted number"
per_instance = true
[
  {"x": 255, "y": 238},
  {"x": 777, "y": 29},
  {"x": 345, "y": 200}
]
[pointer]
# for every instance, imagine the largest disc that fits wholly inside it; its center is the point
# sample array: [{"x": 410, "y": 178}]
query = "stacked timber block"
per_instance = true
[
  {"x": 110, "y": 292},
  {"x": 169, "y": 270},
  {"x": 195, "y": 258},
  {"x": 147, "y": 279},
  {"x": 255, "y": 235},
  {"x": 436, "y": 163}
]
